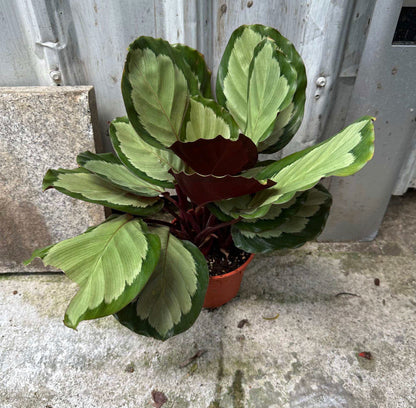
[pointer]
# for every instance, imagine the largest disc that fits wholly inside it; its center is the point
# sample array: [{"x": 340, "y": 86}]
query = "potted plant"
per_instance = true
[{"x": 149, "y": 263}]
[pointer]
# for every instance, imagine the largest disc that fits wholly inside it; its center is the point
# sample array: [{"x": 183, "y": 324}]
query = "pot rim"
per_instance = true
[{"x": 235, "y": 271}]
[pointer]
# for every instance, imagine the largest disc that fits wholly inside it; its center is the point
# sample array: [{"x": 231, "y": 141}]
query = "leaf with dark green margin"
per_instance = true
[
  {"x": 84, "y": 185},
  {"x": 218, "y": 156},
  {"x": 110, "y": 168},
  {"x": 156, "y": 86},
  {"x": 233, "y": 74},
  {"x": 289, "y": 120},
  {"x": 275, "y": 216},
  {"x": 198, "y": 66},
  {"x": 144, "y": 160},
  {"x": 202, "y": 189},
  {"x": 341, "y": 155},
  {"x": 240, "y": 207},
  {"x": 271, "y": 86},
  {"x": 302, "y": 226},
  {"x": 205, "y": 119},
  {"x": 172, "y": 299},
  {"x": 266, "y": 217},
  {"x": 111, "y": 263}
]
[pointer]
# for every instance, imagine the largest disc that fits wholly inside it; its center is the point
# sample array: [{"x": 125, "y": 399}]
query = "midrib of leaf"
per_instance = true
[
  {"x": 104, "y": 250},
  {"x": 263, "y": 101},
  {"x": 158, "y": 101},
  {"x": 164, "y": 266},
  {"x": 161, "y": 158},
  {"x": 163, "y": 274}
]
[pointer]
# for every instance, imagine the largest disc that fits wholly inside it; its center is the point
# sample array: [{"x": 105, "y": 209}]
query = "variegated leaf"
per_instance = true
[
  {"x": 206, "y": 119},
  {"x": 342, "y": 155},
  {"x": 111, "y": 263},
  {"x": 275, "y": 216},
  {"x": 233, "y": 73},
  {"x": 86, "y": 186},
  {"x": 146, "y": 161},
  {"x": 156, "y": 86},
  {"x": 300, "y": 224},
  {"x": 109, "y": 167},
  {"x": 172, "y": 299},
  {"x": 289, "y": 120},
  {"x": 236, "y": 207},
  {"x": 198, "y": 66},
  {"x": 233, "y": 79},
  {"x": 271, "y": 86},
  {"x": 233, "y": 208}
]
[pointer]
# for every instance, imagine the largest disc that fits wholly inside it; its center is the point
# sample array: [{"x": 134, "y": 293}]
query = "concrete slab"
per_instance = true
[
  {"x": 329, "y": 307},
  {"x": 41, "y": 128}
]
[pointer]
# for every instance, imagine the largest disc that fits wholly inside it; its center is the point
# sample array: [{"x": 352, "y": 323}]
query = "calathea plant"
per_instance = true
[{"x": 152, "y": 273}]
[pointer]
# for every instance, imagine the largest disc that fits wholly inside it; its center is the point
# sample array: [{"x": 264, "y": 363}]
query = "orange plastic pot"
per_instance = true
[{"x": 223, "y": 288}]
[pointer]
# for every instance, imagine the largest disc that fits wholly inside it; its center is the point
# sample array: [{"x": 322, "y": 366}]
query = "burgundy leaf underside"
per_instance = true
[
  {"x": 205, "y": 189},
  {"x": 218, "y": 156}
]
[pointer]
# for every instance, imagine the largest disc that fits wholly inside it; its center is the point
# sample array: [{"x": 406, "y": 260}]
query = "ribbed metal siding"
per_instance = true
[{"x": 80, "y": 42}]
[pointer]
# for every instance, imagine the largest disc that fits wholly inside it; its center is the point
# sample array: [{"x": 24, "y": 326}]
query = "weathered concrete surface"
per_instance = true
[
  {"x": 41, "y": 128},
  {"x": 307, "y": 357}
]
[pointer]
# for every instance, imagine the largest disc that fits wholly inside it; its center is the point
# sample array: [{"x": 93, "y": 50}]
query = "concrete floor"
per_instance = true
[{"x": 307, "y": 357}]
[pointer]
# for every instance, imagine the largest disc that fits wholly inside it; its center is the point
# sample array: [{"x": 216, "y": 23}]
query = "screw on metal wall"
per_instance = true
[{"x": 56, "y": 76}]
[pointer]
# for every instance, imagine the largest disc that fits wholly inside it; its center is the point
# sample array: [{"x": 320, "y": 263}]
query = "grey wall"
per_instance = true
[{"x": 80, "y": 42}]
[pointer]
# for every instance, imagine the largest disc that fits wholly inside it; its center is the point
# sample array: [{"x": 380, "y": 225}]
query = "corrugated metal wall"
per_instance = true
[{"x": 83, "y": 42}]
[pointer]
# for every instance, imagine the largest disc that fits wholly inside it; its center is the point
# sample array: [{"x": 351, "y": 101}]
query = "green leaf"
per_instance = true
[
  {"x": 233, "y": 81},
  {"x": 233, "y": 208},
  {"x": 172, "y": 299},
  {"x": 240, "y": 207},
  {"x": 86, "y": 186},
  {"x": 233, "y": 73},
  {"x": 146, "y": 161},
  {"x": 38, "y": 253},
  {"x": 206, "y": 119},
  {"x": 156, "y": 86},
  {"x": 198, "y": 66},
  {"x": 110, "y": 168},
  {"x": 302, "y": 222},
  {"x": 289, "y": 120},
  {"x": 342, "y": 155},
  {"x": 275, "y": 216},
  {"x": 111, "y": 263},
  {"x": 271, "y": 86}
]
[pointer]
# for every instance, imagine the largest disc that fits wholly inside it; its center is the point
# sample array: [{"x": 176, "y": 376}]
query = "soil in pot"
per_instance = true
[
  {"x": 222, "y": 261},
  {"x": 224, "y": 286}
]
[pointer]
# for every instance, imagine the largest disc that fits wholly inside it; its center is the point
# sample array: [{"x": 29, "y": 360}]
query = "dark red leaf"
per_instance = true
[
  {"x": 218, "y": 156},
  {"x": 204, "y": 189}
]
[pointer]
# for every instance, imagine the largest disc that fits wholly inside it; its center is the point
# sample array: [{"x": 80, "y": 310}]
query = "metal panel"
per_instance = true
[
  {"x": 80, "y": 42},
  {"x": 84, "y": 42},
  {"x": 381, "y": 89}
]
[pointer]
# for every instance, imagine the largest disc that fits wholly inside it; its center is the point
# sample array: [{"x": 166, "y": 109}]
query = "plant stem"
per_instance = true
[
  {"x": 153, "y": 221},
  {"x": 171, "y": 212},
  {"x": 169, "y": 198},
  {"x": 205, "y": 232}
]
